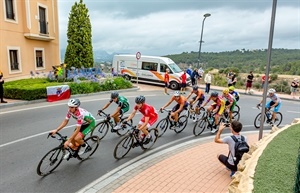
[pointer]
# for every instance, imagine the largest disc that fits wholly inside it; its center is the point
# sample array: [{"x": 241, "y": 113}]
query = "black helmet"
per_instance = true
[
  {"x": 195, "y": 87},
  {"x": 140, "y": 99},
  {"x": 214, "y": 94},
  {"x": 114, "y": 95}
]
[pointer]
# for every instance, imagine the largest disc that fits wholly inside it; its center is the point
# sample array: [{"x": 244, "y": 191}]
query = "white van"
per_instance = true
[{"x": 150, "y": 69}]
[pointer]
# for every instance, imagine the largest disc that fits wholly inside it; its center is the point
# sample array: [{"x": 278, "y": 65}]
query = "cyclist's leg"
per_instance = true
[
  {"x": 174, "y": 115},
  {"x": 231, "y": 110},
  {"x": 276, "y": 109},
  {"x": 200, "y": 101}
]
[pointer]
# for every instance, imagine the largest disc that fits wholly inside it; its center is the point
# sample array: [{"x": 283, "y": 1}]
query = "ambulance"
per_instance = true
[{"x": 148, "y": 69}]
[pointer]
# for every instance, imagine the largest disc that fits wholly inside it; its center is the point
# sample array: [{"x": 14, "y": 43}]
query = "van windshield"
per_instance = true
[{"x": 175, "y": 68}]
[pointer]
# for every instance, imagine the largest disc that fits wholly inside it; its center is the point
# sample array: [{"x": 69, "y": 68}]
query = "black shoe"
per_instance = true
[
  {"x": 3, "y": 101},
  {"x": 148, "y": 139},
  {"x": 136, "y": 144}
]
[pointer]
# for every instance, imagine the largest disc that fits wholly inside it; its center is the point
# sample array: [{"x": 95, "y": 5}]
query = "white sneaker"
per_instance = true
[
  {"x": 194, "y": 119},
  {"x": 214, "y": 130},
  {"x": 82, "y": 149},
  {"x": 67, "y": 155},
  {"x": 118, "y": 126}
]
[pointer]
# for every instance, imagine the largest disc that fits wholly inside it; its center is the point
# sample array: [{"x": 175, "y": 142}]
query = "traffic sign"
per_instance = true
[{"x": 138, "y": 55}]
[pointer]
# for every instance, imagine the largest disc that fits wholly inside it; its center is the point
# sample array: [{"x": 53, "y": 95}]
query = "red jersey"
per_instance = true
[
  {"x": 167, "y": 78},
  {"x": 183, "y": 78},
  {"x": 147, "y": 110}
]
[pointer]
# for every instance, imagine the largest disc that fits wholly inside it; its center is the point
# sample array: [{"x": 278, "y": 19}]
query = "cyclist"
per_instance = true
[
  {"x": 234, "y": 93},
  {"x": 199, "y": 97},
  {"x": 217, "y": 108},
  {"x": 275, "y": 103},
  {"x": 181, "y": 105},
  {"x": 85, "y": 124},
  {"x": 230, "y": 102},
  {"x": 150, "y": 116},
  {"x": 123, "y": 107}
]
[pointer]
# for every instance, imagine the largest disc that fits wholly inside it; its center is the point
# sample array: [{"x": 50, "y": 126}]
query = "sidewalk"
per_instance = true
[{"x": 188, "y": 167}]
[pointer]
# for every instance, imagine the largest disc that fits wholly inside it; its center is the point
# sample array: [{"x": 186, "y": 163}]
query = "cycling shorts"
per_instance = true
[
  {"x": 200, "y": 100},
  {"x": 87, "y": 128},
  {"x": 124, "y": 110},
  {"x": 276, "y": 108},
  {"x": 151, "y": 121},
  {"x": 176, "y": 107},
  {"x": 232, "y": 106}
]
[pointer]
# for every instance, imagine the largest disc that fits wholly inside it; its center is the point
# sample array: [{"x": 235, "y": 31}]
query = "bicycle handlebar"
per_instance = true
[
  {"x": 60, "y": 136},
  {"x": 161, "y": 111}
]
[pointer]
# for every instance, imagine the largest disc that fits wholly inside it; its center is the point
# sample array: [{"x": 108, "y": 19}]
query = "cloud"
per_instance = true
[{"x": 131, "y": 26}]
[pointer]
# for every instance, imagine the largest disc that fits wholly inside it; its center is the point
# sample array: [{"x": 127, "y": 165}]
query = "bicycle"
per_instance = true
[
  {"x": 131, "y": 140},
  {"x": 193, "y": 115},
  {"x": 103, "y": 126},
  {"x": 268, "y": 118},
  {"x": 207, "y": 121},
  {"x": 54, "y": 157},
  {"x": 163, "y": 124}
]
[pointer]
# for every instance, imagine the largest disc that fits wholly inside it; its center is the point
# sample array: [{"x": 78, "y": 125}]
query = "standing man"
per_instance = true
[
  {"x": 230, "y": 162},
  {"x": 249, "y": 82},
  {"x": 263, "y": 80},
  {"x": 183, "y": 82},
  {"x": 294, "y": 86},
  {"x": 207, "y": 81},
  {"x": 1, "y": 88},
  {"x": 194, "y": 76},
  {"x": 166, "y": 80}
]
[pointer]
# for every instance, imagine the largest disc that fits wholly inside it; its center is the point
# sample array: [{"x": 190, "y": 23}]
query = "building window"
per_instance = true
[
  {"x": 14, "y": 61},
  {"x": 43, "y": 22},
  {"x": 39, "y": 58},
  {"x": 9, "y": 9}
]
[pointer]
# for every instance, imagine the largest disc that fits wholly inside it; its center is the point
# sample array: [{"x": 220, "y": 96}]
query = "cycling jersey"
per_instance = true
[
  {"x": 148, "y": 111},
  {"x": 236, "y": 95},
  {"x": 83, "y": 118},
  {"x": 180, "y": 99},
  {"x": 229, "y": 98},
  {"x": 200, "y": 93},
  {"x": 123, "y": 103},
  {"x": 219, "y": 102},
  {"x": 275, "y": 98}
]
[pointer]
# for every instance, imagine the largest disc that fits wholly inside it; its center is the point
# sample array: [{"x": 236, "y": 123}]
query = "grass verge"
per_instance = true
[{"x": 276, "y": 168}]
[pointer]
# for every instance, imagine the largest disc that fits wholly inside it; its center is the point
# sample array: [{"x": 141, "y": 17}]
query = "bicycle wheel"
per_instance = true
[
  {"x": 237, "y": 108},
  {"x": 257, "y": 120},
  {"x": 162, "y": 126},
  {"x": 124, "y": 130},
  {"x": 92, "y": 144},
  {"x": 278, "y": 119},
  {"x": 182, "y": 121},
  {"x": 123, "y": 147},
  {"x": 199, "y": 127},
  {"x": 154, "y": 135},
  {"x": 100, "y": 129},
  {"x": 50, "y": 161},
  {"x": 236, "y": 115}
]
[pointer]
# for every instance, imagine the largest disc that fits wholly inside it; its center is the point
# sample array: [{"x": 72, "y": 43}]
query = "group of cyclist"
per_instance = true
[{"x": 86, "y": 122}]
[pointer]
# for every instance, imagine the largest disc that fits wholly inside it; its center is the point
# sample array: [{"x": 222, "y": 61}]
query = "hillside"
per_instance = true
[{"x": 283, "y": 61}]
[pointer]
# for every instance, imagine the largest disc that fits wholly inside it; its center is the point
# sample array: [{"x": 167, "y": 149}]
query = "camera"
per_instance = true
[{"x": 227, "y": 124}]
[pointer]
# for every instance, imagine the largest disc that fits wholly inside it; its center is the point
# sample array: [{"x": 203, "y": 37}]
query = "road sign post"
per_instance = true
[{"x": 138, "y": 56}]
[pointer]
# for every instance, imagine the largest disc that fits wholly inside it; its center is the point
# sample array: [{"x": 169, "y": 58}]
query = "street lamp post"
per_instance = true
[{"x": 205, "y": 16}]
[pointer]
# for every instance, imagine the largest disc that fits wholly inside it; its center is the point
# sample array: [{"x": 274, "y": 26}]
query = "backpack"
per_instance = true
[{"x": 241, "y": 147}]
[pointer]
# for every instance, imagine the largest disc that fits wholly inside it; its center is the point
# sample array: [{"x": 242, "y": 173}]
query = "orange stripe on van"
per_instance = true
[
  {"x": 173, "y": 77},
  {"x": 157, "y": 74},
  {"x": 125, "y": 71}
]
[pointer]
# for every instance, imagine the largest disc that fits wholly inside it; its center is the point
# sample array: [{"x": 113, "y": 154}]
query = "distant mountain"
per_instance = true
[{"x": 99, "y": 55}]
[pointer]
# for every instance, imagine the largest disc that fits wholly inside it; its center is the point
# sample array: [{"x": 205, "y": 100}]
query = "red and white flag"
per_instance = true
[{"x": 56, "y": 93}]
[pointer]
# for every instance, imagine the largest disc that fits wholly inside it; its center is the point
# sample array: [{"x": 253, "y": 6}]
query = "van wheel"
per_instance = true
[
  {"x": 174, "y": 85},
  {"x": 127, "y": 77}
]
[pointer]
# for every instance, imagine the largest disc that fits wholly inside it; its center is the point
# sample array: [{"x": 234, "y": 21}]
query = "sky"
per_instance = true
[{"x": 162, "y": 27}]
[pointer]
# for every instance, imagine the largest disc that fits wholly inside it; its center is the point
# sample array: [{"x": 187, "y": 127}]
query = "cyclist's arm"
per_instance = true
[
  {"x": 180, "y": 108},
  {"x": 218, "y": 135},
  {"x": 275, "y": 104},
  {"x": 131, "y": 115},
  {"x": 105, "y": 106},
  {"x": 62, "y": 125},
  {"x": 189, "y": 95},
  {"x": 168, "y": 103}
]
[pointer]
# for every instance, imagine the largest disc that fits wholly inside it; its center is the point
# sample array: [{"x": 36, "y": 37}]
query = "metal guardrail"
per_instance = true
[{"x": 297, "y": 177}]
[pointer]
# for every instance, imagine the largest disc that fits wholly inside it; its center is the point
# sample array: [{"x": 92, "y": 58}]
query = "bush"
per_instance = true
[{"x": 32, "y": 89}]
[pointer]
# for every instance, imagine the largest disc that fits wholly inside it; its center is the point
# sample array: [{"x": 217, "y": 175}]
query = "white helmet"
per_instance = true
[
  {"x": 177, "y": 93},
  {"x": 74, "y": 103},
  {"x": 271, "y": 90}
]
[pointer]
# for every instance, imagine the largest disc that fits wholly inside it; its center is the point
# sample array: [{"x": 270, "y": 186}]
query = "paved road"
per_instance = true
[{"x": 23, "y": 142}]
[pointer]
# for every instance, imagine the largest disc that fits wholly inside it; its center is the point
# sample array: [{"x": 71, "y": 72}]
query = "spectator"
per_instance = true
[
  {"x": 249, "y": 82},
  {"x": 294, "y": 86},
  {"x": 228, "y": 161},
  {"x": 233, "y": 80},
  {"x": 207, "y": 80},
  {"x": 200, "y": 72},
  {"x": 183, "y": 82},
  {"x": 229, "y": 75},
  {"x": 166, "y": 80},
  {"x": 1, "y": 88},
  {"x": 263, "y": 80},
  {"x": 189, "y": 71},
  {"x": 194, "y": 76}
]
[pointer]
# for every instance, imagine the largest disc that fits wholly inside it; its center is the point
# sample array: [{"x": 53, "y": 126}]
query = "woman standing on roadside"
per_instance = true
[
  {"x": 294, "y": 87},
  {"x": 1, "y": 88}
]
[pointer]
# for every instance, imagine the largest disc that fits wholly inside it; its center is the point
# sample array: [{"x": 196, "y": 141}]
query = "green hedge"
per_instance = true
[{"x": 32, "y": 89}]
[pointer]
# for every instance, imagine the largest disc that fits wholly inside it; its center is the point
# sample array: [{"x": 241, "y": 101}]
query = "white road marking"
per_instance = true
[{"x": 293, "y": 111}]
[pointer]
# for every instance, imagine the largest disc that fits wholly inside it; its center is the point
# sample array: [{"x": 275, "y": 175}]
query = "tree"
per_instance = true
[{"x": 79, "y": 51}]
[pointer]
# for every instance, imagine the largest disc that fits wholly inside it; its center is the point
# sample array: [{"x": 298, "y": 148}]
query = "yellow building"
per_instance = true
[{"x": 29, "y": 37}]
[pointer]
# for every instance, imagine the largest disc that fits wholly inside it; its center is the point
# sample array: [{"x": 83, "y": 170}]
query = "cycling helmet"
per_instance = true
[
  {"x": 176, "y": 93},
  {"x": 271, "y": 90},
  {"x": 195, "y": 87},
  {"x": 114, "y": 95},
  {"x": 231, "y": 88},
  {"x": 226, "y": 91},
  {"x": 140, "y": 99},
  {"x": 214, "y": 94},
  {"x": 74, "y": 103}
]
